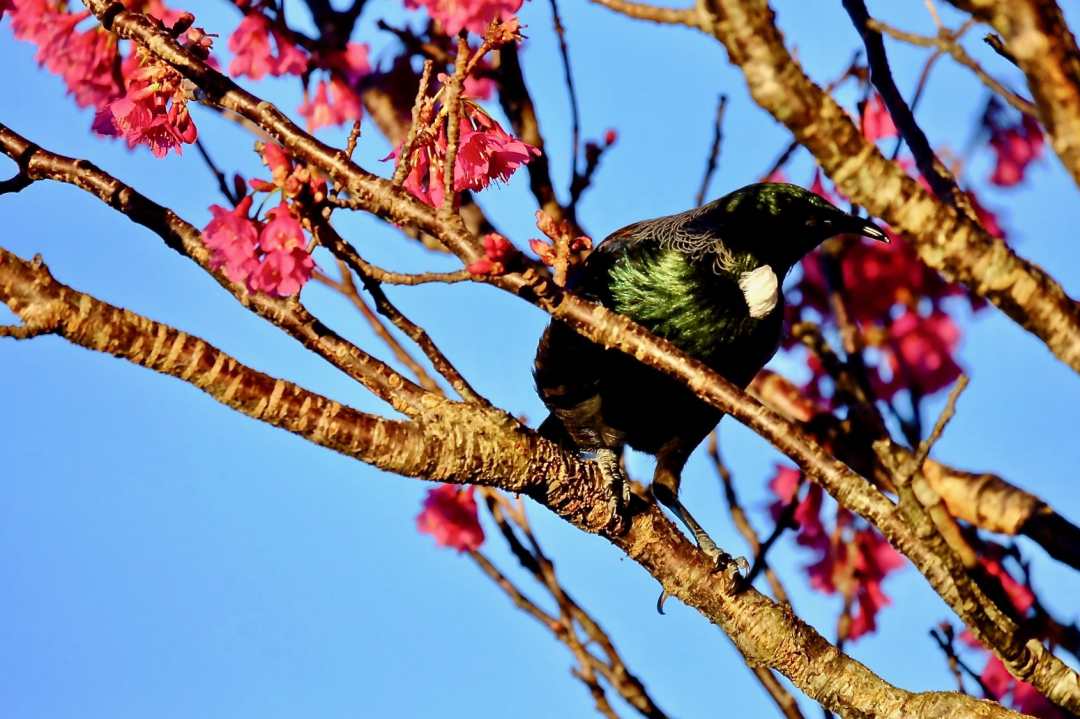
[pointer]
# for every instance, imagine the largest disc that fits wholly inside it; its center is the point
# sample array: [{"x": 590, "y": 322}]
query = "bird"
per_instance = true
[{"x": 710, "y": 281}]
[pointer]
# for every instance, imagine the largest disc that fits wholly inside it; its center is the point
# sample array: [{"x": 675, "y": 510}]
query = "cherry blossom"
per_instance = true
[
  {"x": 449, "y": 515},
  {"x": 153, "y": 112},
  {"x": 919, "y": 352},
  {"x": 497, "y": 251},
  {"x": 876, "y": 122},
  {"x": 485, "y": 153},
  {"x": 472, "y": 15},
  {"x": 334, "y": 103},
  {"x": 253, "y": 58},
  {"x": 232, "y": 239},
  {"x": 1015, "y": 148}
]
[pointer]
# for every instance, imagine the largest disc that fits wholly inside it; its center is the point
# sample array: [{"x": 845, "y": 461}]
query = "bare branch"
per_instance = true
[
  {"x": 947, "y": 43},
  {"x": 714, "y": 150},
  {"x": 1039, "y": 41}
]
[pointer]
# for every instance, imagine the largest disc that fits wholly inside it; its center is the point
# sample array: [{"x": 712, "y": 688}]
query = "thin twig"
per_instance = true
[
  {"x": 222, "y": 181},
  {"x": 944, "y": 642},
  {"x": 947, "y": 42},
  {"x": 944, "y": 186},
  {"x": 568, "y": 76},
  {"x": 663, "y": 15},
  {"x": 405, "y": 158},
  {"x": 347, "y": 288},
  {"x": 329, "y": 238},
  {"x": 714, "y": 150},
  {"x": 939, "y": 427},
  {"x": 453, "y": 123}
]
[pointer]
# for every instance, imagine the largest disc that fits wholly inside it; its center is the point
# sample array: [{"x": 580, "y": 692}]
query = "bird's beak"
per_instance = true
[{"x": 866, "y": 228}]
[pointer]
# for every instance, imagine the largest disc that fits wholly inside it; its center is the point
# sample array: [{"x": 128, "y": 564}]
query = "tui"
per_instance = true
[{"x": 708, "y": 280}]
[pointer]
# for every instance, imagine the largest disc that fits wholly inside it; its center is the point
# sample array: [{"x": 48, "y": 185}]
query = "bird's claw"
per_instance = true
[{"x": 607, "y": 460}]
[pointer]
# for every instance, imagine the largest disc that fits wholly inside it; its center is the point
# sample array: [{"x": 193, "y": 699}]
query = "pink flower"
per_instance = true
[
  {"x": 231, "y": 238},
  {"x": 282, "y": 232},
  {"x": 449, "y": 515},
  {"x": 250, "y": 43},
  {"x": 153, "y": 112},
  {"x": 784, "y": 484},
  {"x": 919, "y": 353},
  {"x": 877, "y": 123},
  {"x": 282, "y": 273},
  {"x": 485, "y": 153},
  {"x": 1016, "y": 147},
  {"x": 473, "y": 15},
  {"x": 497, "y": 250},
  {"x": 352, "y": 63},
  {"x": 338, "y": 106},
  {"x": 996, "y": 678},
  {"x": 1018, "y": 594}
]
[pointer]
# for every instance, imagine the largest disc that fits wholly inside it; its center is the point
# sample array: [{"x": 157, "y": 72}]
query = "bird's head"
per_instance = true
[{"x": 779, "y": 223}]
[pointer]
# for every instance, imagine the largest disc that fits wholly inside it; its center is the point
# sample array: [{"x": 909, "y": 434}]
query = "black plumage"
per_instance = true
[{"x": 709, "y": 280}]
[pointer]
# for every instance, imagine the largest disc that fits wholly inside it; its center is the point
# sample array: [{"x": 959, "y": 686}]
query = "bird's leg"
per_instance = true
[
  {"x": 665, "y": 488},
  {"x": 607, "y": 460}
]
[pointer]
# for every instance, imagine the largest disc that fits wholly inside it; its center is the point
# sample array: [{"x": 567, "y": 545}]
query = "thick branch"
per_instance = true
[
  {"x": 430, "y": 447},
  {"x": 982, "y": 499}
]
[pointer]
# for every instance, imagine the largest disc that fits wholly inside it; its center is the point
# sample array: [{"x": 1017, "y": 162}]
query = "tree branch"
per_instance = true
[
  {"x": 1038, "y": 39},
  {"x": 185, "y": 239}
]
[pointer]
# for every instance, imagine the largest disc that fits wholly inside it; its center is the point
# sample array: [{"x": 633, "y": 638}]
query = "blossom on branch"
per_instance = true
[
  {"x": 253, "y": 58},
  {"x": 472, "y": 15},
  {"x": 497, "y": 252},
  {"x": 270, "y": 257},
  {"x": 486, "y": 153},
  {"x": 232, "y": 240},
  {"x": 152, "y": 112},
  {"x": 854, "y": 562},
  {"x": 449, "y": 515}
]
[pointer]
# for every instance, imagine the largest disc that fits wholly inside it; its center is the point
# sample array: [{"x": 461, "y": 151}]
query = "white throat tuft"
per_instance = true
[{"x": 760, "y": 289}]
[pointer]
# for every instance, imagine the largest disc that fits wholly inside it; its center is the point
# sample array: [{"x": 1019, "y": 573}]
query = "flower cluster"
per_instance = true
[
  {"x": 269, "y": 256},
  {"x": 252, "y": 55},
  {"x": 485, "y": 153},
  {"x": 449, "y": 515},
  {"x": 497, "y": 253},
  {"x": 1016, "y": 144},
  {"x": 263, "y": 47},
  {"x": 852, "y": 561},
  {"x": 472, "y": 15},
  {"x": 336, "y": 100},
  {"x": 896, "y": 302},
  {"x": 134, "y": 97},
  {"x": 153, "y": 110}
]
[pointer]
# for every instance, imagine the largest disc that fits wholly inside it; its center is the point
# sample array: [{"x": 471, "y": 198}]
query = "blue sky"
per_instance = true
[{"x": 163, "y": 555}]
